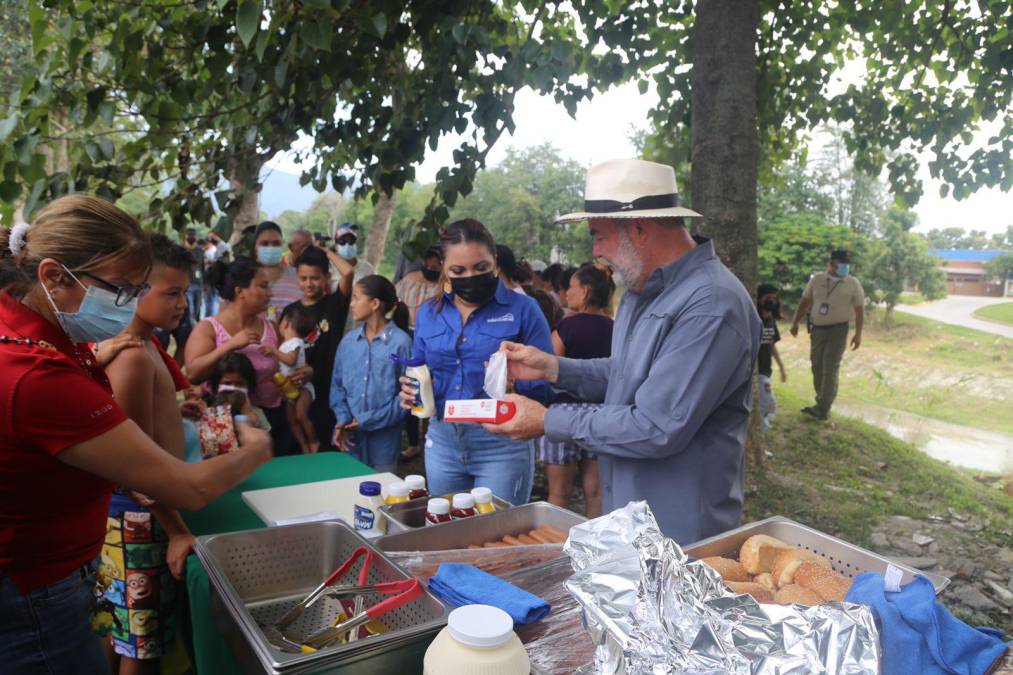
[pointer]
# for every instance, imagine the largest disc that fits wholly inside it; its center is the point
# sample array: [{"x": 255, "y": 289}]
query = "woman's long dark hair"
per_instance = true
[
  {"x": 380, "y": 288},
  {"x": 227, "y": 277},
  {"x": 598, "y": 282},
  {"x": 464, "y": 231}
]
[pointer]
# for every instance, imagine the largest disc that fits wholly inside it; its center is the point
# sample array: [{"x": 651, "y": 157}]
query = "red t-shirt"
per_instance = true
[{"x": 52, "y": 396}]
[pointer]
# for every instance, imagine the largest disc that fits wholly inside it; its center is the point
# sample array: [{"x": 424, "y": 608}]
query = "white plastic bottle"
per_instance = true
[
  {"x": 478, "y": 640},
  {"x": 367, "y": 518},
  {"x": 418, "y": 372}
]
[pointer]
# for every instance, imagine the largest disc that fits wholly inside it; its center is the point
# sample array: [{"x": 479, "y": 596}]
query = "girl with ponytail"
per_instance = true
[{"x": 365, "y": 388}]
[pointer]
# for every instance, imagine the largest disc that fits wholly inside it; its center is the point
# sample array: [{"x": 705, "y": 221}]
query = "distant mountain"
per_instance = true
[{"x": 282, "y": 192}]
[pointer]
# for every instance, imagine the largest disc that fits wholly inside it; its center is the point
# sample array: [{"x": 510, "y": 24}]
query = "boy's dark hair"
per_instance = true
[
  {"x": 313, "y": 257},
  {"x": 550, "y": 275},
  {"x": 300, "y": 318},
  {"x": 564, "y": 279},
  {"x": 234, "y": 363},
  {"x": 166, "y": 252}
]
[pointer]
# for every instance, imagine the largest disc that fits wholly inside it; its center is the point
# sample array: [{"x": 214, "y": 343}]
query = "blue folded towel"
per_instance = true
[
  {"x": 919, "y": 635},
  {"x": 461, "y": 584}
]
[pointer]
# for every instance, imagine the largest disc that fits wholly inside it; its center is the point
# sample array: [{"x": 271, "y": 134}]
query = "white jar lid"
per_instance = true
[
  {"x": 398, "y": 488},
  {"x": 480, "y": 625},
  {"x": 415, "y": 481},
  {"x": 482, "y": 494},
  {"x": 464, "y": 501},
  {"x": 438, "y": 506}
]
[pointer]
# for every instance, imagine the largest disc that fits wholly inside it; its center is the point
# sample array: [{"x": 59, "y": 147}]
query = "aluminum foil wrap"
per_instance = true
[{"x": 652, "y": 611}]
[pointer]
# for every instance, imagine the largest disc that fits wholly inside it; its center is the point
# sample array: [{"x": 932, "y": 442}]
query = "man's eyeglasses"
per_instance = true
[{"x": 124, "y": 294}]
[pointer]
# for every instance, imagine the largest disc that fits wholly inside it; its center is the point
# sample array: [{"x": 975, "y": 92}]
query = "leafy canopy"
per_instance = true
[{"x": 186, "y": 95}]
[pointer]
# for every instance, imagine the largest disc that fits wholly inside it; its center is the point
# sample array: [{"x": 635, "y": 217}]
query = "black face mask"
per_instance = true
[
  {"x": 771, "y": 306},
  {"x": 477, "y": 289},
  {"x": 430, "y": 275}
]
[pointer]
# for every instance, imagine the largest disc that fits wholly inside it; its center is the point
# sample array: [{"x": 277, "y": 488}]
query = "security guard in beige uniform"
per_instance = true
[{"x": 830, "y": 297}]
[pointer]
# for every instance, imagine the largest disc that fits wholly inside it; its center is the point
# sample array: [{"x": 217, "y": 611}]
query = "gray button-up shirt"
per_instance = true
[{"x": 677, "y": 392}]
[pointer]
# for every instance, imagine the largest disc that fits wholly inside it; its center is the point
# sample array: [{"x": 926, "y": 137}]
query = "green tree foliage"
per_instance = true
[
  {"x": 15, "y": 47},
  {"x": 324, "y": 214},
  {"x": 899, "y": 260},
  {"x": 794, "y": 246},
  {"x": 519, "y": 199},
  {"x": 190, "y": 94},
  {"x": 959, "y": 238},
  {"x": 1001, "y": 266},
  {"x": 934, "y": 73},
  {"x": 409, "y": 211}
]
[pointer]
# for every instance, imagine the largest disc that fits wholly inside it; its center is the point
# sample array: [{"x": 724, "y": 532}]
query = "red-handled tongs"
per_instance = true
[
  {"x": 406, "y": 590},
  {"x": 361, "y": 552}
]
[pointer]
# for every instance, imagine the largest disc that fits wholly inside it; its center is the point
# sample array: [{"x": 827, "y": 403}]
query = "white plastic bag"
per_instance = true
[{"x": 496, "y": 376}]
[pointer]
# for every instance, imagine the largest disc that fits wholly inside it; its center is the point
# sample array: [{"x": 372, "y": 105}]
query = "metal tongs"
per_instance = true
[
  {"x": 406, "y": 590},
  {"x": 293, "y": 614}
]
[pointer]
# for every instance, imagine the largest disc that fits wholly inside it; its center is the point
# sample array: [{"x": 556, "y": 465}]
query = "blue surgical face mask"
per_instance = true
[
  {"x": 98, "y": 318},
  {"x": 269, "y": 255},
  {"x": 843, "y": 269},
  {"x": 348, "y": 251}
]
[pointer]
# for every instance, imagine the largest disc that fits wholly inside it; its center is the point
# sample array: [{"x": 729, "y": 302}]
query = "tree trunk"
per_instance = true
[
  {"x": 376, "y": 240},
  {"x": 725, "y": 151},
  {"x": 243, "y": 172}
]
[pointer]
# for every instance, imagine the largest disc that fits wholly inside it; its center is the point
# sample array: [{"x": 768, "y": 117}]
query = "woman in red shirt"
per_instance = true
[{"x": 71, "y": 277}]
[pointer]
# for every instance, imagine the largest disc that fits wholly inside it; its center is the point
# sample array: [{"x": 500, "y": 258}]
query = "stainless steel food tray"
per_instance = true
[
  {"x": 478, "y": 530},
  {"x": 411, "y": 515},
  {"x": 258, "y": 575},
  {"x": 846, "y": 559}
]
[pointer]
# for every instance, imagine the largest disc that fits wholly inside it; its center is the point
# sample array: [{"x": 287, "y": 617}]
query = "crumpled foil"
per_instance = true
[{"x": 652, "y": 611}]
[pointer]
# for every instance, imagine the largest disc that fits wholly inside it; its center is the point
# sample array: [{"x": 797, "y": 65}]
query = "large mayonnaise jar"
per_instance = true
[
  {"x": 478, "y": 640},
  {"x": 417, "y": 371}
]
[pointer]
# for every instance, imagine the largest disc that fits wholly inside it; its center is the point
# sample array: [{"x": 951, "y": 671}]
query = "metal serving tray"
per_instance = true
[
  {"x": 846, "y": 559},
  {"x": 478, "y": 530},
  {"x": 258, "y": 575},
  {"x": 411, "y": 515}
]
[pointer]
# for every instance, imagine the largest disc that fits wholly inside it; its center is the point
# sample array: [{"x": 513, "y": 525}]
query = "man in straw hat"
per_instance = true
[{"x": 677, "y": 390}]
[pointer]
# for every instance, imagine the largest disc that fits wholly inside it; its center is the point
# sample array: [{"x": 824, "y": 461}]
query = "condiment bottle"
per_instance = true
[
  {"x": 367, "y": 507},
  {"x": 288, "y": 388},
  {"x": 397, "y": 492},
  {"x": 464, "y": 506},
  {"x": 478, "y": 640},
  {"x": 483, "y": 500},
  {"x": 416, "y": 486},
  {"x": 437, "y": 511},
  {"x": 418, "y": 372}
]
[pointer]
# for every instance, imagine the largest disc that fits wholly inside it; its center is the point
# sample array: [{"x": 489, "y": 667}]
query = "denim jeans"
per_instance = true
[
  {"x": 47, "y": 631},
  {"x": 462, "y": 456}
]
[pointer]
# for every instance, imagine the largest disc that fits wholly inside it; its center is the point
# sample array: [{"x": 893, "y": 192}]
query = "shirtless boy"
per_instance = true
[{"x": 147, "y": 544}]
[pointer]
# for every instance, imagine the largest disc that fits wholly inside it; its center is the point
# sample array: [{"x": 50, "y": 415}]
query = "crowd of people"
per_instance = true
[{"x": 642, "y": 394}]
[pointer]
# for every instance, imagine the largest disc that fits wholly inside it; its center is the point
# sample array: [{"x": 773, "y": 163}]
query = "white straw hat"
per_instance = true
[{"x": 630, "y": 188}]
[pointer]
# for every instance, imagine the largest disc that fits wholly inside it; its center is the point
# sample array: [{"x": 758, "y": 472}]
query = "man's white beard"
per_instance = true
[{"x": 627, "y": 268}]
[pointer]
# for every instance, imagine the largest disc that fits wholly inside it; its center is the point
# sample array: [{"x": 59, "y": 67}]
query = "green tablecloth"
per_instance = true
[{"x": 230, "y": 513}]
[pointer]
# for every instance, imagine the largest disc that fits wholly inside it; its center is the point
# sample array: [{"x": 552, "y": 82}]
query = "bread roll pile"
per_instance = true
[{"x": 772, "y": 571}]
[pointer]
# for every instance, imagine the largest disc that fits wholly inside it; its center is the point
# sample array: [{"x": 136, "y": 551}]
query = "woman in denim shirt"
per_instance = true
[
  {"x": 364, "y": 388},
  {"x": 455, "y": 334}
]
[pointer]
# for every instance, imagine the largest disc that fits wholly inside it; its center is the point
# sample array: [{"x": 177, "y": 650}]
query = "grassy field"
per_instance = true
[
  {"x": 843, "y": 478},
  {"x": 911, "y": 299},
  {"x": 1002, "y": 313},
  {"x": 954, "y": 374}
]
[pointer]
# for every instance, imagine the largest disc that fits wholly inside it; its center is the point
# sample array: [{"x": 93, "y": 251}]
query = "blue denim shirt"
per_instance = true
[
  {"x": 456, "y": 355},
  {"x": 677, "y": 392},
  {"x": 365, "y": 387}
]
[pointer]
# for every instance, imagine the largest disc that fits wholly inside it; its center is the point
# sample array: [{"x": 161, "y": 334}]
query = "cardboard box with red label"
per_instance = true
[{"x": 485, "y": 410}]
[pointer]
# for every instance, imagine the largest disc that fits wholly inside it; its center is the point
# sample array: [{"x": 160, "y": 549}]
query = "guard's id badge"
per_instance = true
[{"x": 824, "y": 308}]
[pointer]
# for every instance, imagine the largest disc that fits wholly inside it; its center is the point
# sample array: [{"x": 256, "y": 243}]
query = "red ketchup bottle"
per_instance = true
[
  {"x": 416, "y": 486},
  {"x": 438, "y": 511},
  {"x": 464, "y": 506}
]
